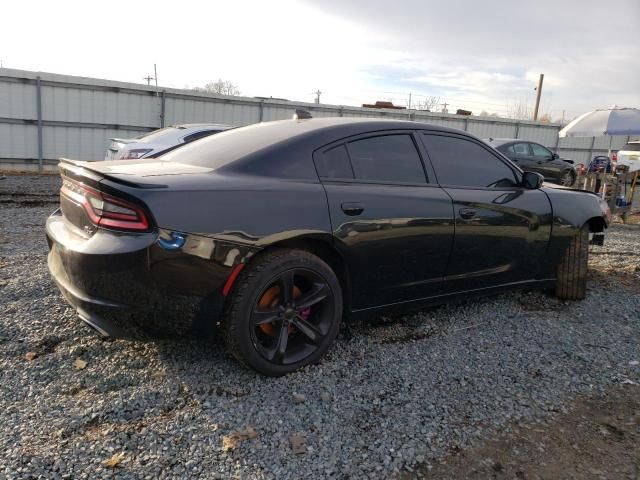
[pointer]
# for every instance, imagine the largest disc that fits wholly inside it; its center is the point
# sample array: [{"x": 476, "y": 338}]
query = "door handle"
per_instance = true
[
  {"x": 467, "y": 213},
  {"x": 352, "y": 208}
]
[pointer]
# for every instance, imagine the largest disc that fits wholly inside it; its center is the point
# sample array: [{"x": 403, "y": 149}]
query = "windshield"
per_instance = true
[{"x": 633, "y": 147}]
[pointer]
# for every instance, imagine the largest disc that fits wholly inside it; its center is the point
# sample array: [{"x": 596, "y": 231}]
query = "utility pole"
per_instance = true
[
  {"x": 539, "y": 92},
  {"x": 444, "y": 107},
  {"x": 318, "y": 93},
  {"x": 409, "y": 107},
  {"x": 148, "y": 78}
]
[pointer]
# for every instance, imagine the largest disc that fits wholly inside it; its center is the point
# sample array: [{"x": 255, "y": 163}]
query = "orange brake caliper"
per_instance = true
[{"x": 270, "y": 299}]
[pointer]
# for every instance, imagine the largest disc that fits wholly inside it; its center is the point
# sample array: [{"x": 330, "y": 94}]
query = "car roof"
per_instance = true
[
  {"x": 495, "y": 142},
  {"x": 276, "y": 148},
  {"x": 183, "y": 126},
  {"x": 293, "y": 127}
]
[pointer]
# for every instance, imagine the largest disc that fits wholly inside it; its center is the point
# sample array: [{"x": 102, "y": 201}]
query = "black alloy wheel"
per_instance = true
[{"x": 285, "y": 312}]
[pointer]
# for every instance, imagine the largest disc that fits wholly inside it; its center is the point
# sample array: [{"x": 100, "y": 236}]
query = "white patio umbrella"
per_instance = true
[{"x": 612, "y": 121}]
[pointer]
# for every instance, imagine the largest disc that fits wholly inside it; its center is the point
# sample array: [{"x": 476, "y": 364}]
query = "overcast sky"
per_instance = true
[{"x": 479, "y": 55}]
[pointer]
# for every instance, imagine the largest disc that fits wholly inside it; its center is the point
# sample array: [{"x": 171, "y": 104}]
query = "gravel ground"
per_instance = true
[{"x": 393, "y": 397}]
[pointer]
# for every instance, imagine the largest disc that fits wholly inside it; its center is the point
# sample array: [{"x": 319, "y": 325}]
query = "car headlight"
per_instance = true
[{"x": 134, "y": 153}]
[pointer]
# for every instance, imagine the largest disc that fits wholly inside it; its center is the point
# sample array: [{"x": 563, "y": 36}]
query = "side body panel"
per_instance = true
[
  {"x": 501, "y": 237},
  {"x": 572, "y": 209},
  {"x": 397, "y": 249}
]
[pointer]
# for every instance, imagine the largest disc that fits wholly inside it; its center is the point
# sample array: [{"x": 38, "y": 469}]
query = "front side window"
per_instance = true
[
  {"x": 386, "y": 158},
  {"x": 460, "y": 162},
  {"x": 540, "y": 151}
]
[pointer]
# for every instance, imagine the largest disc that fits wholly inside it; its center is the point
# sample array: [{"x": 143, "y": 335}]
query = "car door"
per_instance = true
[
  {"x": 392, "y": 223},
  {"x": 501, "y": 229}
]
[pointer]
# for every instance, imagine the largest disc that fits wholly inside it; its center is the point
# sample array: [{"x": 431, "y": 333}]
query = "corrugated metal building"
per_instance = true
[{"x": 44, "y": 116}]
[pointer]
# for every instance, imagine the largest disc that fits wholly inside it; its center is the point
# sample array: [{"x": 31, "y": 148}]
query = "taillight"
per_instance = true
[
  {"x": 614, "y": 156},
  {"x": 134, "y": 153},
  {"x": 104, "y": 210}
]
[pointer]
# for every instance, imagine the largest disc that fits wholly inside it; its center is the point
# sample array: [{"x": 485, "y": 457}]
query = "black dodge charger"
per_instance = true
[{"x": 277, "y": 231}]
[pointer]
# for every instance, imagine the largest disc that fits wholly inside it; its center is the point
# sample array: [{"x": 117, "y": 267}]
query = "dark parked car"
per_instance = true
[
  {"x": 533, "y": 157},
  {"x": 279, "y": 230}
]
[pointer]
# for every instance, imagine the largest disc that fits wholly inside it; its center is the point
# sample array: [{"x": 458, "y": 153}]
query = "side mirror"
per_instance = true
[
  {"x": 532, "y": 180},
  {"x": 555, "y": 156}
]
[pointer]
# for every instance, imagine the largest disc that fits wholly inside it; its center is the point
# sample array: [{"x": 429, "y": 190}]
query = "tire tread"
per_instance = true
[{"x": 571, "y": 281}]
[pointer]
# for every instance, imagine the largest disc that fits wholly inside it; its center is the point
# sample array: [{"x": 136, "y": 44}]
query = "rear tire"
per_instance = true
[
  {"x": 275, "y": 332},
  {"x": 571, "y": 281}
]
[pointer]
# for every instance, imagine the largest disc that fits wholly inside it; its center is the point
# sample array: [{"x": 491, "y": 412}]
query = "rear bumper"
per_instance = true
[{"x": 126, "y": 285}]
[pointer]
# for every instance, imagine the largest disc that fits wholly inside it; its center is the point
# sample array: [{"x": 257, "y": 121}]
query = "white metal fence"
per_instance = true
[{"x": 45, "y": 116}]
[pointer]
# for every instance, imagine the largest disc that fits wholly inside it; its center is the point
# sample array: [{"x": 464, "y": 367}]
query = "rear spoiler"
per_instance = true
[{"x": 81, "y": 171}]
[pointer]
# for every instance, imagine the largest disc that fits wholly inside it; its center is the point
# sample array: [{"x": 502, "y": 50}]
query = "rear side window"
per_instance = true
[
  {"x": 522, "y": 149},
  {"x": 386, "y": 158},
  {"x": 334, "y": 163},
  {"x": 460, "y": 162},
  {"x": 508, "y": 150}
]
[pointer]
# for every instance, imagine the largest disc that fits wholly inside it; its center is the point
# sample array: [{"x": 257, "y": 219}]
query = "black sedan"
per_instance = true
[
  {"x": 279, "y": 230},
  {"x": 533, "y": 157}
]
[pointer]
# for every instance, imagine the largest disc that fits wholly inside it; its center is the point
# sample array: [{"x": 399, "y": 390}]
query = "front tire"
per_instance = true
[
  {"x": 284, "y": 312},
  {"x": 568, "y": 178},
  {"x": 571, "y": 281}
]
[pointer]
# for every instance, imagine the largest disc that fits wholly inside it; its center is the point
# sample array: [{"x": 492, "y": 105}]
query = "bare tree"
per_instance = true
[
  {"x": 519, "y": 110},
  {"x": 221, "y": 87},
  {"x": 427, "y": 103}
]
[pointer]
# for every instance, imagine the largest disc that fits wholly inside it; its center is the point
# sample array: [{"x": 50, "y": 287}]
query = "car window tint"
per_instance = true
[
  {"x": 540, "y": 151},
  {"x": 334, "y": 163},
  {"x": 508, "y": 149},
  {"x": 387, "y": 158},
  {"x": 197, "y": 135},
  {"x": 521, "y": 149},
  {"x": 462, "y": 162}
]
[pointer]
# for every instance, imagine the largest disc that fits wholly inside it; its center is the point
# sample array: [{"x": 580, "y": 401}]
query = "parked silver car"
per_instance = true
[
  {"x": 160, "y": 141},
  {"x": 629, "y": 155}
]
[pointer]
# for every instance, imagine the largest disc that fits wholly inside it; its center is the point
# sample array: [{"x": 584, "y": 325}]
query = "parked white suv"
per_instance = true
[
  {"x": 160, "y": 141},
  {"x": 629, "y": 155}
]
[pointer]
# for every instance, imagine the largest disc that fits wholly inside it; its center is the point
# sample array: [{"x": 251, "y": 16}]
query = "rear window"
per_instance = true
[
  {"x": 631, "y": 147},
  {"x": 155, "y": 134},
  {"x": 225, "y": 147}
]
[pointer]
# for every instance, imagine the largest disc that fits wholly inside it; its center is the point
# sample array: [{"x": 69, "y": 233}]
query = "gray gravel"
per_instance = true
[{"x": 393, "y": 392}]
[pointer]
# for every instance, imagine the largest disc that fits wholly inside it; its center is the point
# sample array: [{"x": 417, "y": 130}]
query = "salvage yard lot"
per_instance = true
[{"x": 405, "y": 396}]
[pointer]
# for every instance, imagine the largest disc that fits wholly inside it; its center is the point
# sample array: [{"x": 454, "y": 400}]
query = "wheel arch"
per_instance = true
[
  {"x": 596, "y": 224},
  {"x": 323, "y": 247}
]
